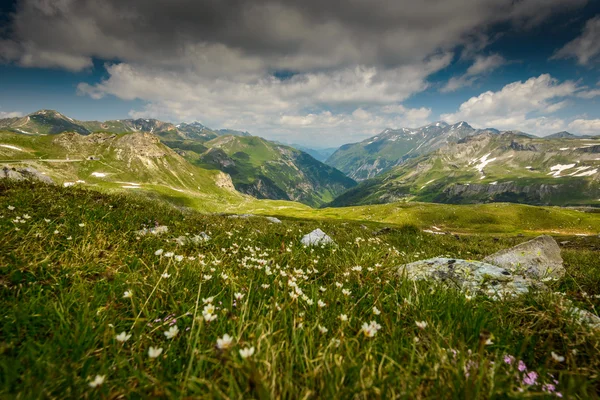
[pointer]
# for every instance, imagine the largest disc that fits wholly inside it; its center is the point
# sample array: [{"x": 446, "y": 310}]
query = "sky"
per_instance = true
[{"x": 313, "y": 72}]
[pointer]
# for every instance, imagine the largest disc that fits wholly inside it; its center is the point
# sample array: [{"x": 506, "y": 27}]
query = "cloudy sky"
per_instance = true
[{"x": 314, "y": 72}]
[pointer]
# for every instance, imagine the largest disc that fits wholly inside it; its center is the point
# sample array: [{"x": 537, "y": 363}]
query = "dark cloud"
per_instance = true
[{"x": 299, "y": 35}]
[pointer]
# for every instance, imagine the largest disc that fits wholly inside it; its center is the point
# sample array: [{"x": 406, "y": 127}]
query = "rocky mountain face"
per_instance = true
[
  {"x": 492, "y": 167},
  {"x": 267, "y": 170},
  {"x": 392, "y": 147}
]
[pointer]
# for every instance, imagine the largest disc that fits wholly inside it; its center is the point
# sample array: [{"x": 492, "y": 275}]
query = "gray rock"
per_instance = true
[
  {"x": 538, "y": 258},
  {"x": 586, "y": 318},
  {"x": 27, "y": 173},
  {"x": 154, "y": 231},
  {"x": 317, "y": 238},
  {"x": 471, "y": 277},
  {"x": 196, "y": 239},
  {"x": 273, "y": 220}
]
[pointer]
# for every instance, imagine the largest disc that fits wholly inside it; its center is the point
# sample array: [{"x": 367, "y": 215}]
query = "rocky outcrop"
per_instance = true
[
  {"x": 23, "y": 174},
  {"x": 509, "y": 272},
  {"x": 538, "y": 258},
  {"x": 224, "y": 181},
  {"x": 475, "y": 192},
  {"x": 471, "y": 277},
  {"x": 522, "y": 147}
]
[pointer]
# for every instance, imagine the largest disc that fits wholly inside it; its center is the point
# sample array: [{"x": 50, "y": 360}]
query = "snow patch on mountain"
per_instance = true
[
  {"x": 557, "y": 169},
  {"x": 8, "y": 146}
]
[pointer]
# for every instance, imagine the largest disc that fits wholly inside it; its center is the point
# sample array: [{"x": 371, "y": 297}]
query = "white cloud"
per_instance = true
[
  {"x": 585, "y": 126},
  {"x": 586, "y": 47},
  {"x": 589, "y": 93},
  {"x": 355, "y": 101},
  {"x": 10, "y": 114},
  {"x": 518, "y": 105},
  {"x": 481, "y": 66}
]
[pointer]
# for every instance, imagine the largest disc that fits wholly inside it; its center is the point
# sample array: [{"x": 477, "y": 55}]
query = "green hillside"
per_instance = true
[
  {"x": 83, "y": 290},
  {"x": 267, "y": 170},
  {"x": 492, "y": 167},
  {"x": 124, "y": 162}
]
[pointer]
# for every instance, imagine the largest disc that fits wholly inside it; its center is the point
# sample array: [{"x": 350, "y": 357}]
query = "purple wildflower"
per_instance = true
[
  {"x": 530, "y": 378},
  {"x": 509, "y": 359},
  {"x": 522, "y": 367}
]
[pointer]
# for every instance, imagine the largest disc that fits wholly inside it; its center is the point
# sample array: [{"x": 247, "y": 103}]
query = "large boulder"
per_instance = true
[
  {"x": 538, "y": 258},
  {"x": 317, "y": 238},
  {"x": 471, "y": 277},
  {"x": 21, "y": 174}
]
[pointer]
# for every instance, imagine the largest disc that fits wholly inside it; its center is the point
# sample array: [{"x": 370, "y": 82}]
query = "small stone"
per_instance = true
[
  {"x": 273, "y": 220},
  {"x": 316, "y": 238}
]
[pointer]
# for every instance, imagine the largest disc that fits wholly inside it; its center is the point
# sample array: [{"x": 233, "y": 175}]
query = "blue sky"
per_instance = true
[{"x": 307, "y": 72}]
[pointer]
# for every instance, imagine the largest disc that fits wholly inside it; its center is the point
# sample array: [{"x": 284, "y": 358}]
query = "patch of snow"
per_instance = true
[
  {"x": 529, "y": 167},
  {"x": 427, "y": 183},
  {"x": 8, "y": 146},
  {"x": 68, "y": 184},
  {"x": 587, "y": 173},
  {"x": 579, "y": 169},
  {"x": 99, "y": 174},
  {"x": 564, "y": 148},
  {"x": 79, "y": 181},
  {"x": 25, "y": 132},
  {"x": 494, "y": 183},
  {"x": 557, "y": 169},
  {"x": 131, "y": 187},
  {"x": 130, "y": 183},
  {"x": 484, "y": 161}
]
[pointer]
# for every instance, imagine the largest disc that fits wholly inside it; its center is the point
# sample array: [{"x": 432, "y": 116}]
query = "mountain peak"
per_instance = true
[
  {"x": 462, "y": 124},
  {"x": 561, "y": 135}
]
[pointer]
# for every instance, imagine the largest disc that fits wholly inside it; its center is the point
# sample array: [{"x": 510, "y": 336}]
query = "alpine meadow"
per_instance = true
[{"x": 283, "y": 199}]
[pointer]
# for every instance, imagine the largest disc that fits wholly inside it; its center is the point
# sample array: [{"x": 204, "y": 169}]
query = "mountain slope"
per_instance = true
[
  {"x": 134, "y": 161},
  {"x": 267, "y": 170},
  {"x": 492, "y": 167},
  {"x": 393, "y": 146},
  {"x": 50, "y": 122}
]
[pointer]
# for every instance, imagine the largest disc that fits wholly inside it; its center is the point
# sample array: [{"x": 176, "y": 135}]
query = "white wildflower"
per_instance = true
[
  {"x": 154, "y": 352},
  {"x": 247, "y": 352},
  {"x": 225, "y": 342},
  {"x": 123, "y": 337},
  {"x": 172, "y": 332},
  {"x": 98, "y": 380}
]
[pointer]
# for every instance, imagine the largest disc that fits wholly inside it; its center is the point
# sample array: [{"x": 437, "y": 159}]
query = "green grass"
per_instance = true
[{"x": 63, "y": 305}]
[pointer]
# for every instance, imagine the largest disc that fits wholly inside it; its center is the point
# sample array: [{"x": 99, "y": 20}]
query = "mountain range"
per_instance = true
[
  {"x": 253, "y": 165},
  {"x": 437, "y": 162},
  {"x": 492, "y": 167},
  {"x": 392, "y": 147}
]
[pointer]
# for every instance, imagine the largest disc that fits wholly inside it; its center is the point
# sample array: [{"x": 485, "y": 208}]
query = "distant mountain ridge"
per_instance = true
[
  {"x": 492, "y": 167},
  {"x": 51, "y": 122},
  {"x": 393, "y": 146},
  {"x": 255, "y": 166}
]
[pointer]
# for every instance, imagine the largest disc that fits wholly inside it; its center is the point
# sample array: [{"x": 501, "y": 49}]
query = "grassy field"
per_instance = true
[{"x": 90, "y": 308}]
